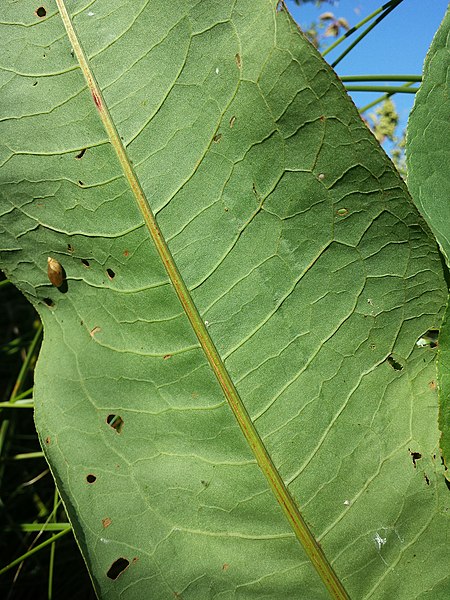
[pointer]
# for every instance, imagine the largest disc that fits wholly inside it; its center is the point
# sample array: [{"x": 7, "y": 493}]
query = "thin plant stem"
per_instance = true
[
  {"x": 26, "y": 455},
  {"x": 51, "y": 564},
  {"x": 391, "y": 89},
  {"x": 33, "y": 527},
  {"x": 23, "y": 557},
  {"x": 365, "y": 32},
  {"x": 352, "y": 30},
  {"x": 26, "y": 363},
  {"x": 27, "y": 404},
  {"x": 380, "y": 99},
  {"x": 409, "y": 78}
]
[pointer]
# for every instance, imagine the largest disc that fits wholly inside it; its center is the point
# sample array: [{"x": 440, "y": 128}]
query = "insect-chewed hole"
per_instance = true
[
  {"x": 85, "y": 262},
  {"x": 429, "y": 339},
  {"x": 91, "y": 478},
  {"x": 117, "y": 568},
  {"x": 415, "y": 457},
  {"x": 48, "y": 302},
  {"x": 81, "y": 153},
  {"x": 447, "y": 483},
  {"x": 116, "y": 422},
  {"x": 41, "y": 12},
  {"x": 394, "y": 364},
  {"x": 110, "y": 273}
]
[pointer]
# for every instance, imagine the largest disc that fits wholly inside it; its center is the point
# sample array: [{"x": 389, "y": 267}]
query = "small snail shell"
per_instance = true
[{"x": 55, "y": 272}]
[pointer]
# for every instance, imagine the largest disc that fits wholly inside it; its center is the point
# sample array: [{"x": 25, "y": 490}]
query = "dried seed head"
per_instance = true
[{"x": 55, "y": 272}]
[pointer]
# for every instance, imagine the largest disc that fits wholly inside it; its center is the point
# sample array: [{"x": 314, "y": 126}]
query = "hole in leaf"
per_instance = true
[
  {"x": 41, "y": 12},
  {"x": 70, "y": 248},
  {"x": 429, "y": 339},
  {"x": 394, "y": 364},
  {"x": 48, "y": 440},
  {"x": 447, "y": 483},
  {"x": 110, "y": 273},
  {"x": 415, "y": 457},
  {"x": 85, "y": 262},
  {"x": 35, "y": 83},
  {"x": 117, "y": 568},
  {"x": 217, "y": 138},
  {"x": 115, "y": 421},
  {"x": 80, "y": 182},
  {"x": 91, "y": 478},
  {"x": 426, "y": 479},
  {"x": 81, "y": 153},
  {"x": 49, "y": 302}
]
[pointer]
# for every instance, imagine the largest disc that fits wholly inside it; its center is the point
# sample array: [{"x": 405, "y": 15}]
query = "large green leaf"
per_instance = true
[
  {"x": 312, "y": 272},
  {"x": 428, "y": 155},
  {"x": 427, "y": 149}
]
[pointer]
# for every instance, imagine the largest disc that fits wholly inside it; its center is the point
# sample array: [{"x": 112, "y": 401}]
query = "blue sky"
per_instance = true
[{"x": 396, "y": 46}]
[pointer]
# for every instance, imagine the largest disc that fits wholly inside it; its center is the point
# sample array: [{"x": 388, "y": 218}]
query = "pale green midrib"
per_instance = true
[{"x": 279, "y": 489}]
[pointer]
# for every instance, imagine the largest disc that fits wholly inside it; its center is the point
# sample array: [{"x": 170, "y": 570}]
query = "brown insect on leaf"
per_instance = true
[{"x": 55, "y": 272}]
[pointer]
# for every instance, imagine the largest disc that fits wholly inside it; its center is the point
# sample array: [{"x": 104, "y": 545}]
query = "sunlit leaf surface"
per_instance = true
[{"x": 307, "y": 261}]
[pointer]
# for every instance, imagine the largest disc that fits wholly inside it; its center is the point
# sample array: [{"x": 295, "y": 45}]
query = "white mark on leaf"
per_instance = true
[
  {"x": 217, "y": 70},
  {"x": 379, "y": 541}
]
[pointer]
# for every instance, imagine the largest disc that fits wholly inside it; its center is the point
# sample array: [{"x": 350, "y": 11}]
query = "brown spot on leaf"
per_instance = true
[
  {"x": 167, "y": 356},
  {"x": 97, "y": 100},
  {"x": 238, "y": 60},
  {"x": 94, "y": 331},
  {"x": 106, "y": 522},
  {"x": 225, "y": 567}
]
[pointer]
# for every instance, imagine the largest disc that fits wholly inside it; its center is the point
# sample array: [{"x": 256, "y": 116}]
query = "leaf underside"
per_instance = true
[
  {"x": 306, "y": 259},
  {"x": 429, "y": 181}
]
